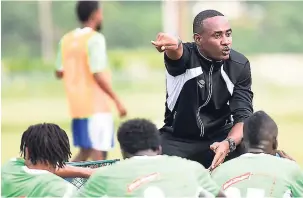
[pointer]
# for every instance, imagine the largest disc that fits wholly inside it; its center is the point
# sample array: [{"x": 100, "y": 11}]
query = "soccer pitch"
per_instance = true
[{"x": 30, "y": 100}]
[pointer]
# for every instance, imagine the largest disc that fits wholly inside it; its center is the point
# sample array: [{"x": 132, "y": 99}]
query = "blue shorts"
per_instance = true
[{"x": 95, "y": 132}]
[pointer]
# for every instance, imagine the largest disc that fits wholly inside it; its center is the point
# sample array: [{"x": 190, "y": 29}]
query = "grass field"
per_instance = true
[{"x": 30, "y": 99}]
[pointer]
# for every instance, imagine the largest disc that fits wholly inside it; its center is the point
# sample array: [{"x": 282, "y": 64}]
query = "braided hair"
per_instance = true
[{"x": 46, "y": 143}]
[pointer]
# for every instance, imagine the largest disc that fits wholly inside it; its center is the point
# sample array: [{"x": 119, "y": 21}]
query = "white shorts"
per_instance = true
[{"x": 95, "y": 132}]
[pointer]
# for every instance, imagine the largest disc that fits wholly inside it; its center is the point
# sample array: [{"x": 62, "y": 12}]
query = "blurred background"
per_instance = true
[{"x": 268, "y": 33}]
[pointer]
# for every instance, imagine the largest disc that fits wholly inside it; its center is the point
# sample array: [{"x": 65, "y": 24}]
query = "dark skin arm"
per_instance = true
[
  {"x": 241, "y": 108},
  {"x": 222, "y": 148},
  {"x": 236, "y": 133},
  {"x": 72, "y": 171},
  {"x": 105, "y": 86}
]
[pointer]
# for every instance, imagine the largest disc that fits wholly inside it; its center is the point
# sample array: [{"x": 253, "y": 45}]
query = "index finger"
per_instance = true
[
  {"x": 160, "y": 43},
  {"x": 215, "y": 160},
  {"x": 159, "y": 36}
]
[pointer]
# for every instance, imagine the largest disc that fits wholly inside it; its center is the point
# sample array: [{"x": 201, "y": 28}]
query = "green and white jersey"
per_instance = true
[
  {"x": 19, "y": 181},
  {"x": 260, "y": 176},
  {"x": 150, "y": 177}
]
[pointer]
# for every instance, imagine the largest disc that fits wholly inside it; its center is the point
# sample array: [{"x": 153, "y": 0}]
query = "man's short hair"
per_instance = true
[
  {"x": 198, "y": 21},
  {"x": 85, "y": 9},
  {"x": 138, "y": 135},
  {"x": 259, "y": 127},
  {"x": 46, "y": 143}
]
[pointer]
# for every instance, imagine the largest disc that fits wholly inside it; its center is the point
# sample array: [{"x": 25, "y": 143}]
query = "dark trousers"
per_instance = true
[{"x": 198, "y": 151}]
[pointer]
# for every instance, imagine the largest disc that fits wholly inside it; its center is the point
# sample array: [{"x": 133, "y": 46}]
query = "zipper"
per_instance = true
[{"x": 206, "y": 102}]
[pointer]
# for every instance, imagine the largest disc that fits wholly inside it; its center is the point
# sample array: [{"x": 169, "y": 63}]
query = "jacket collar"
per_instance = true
[{"x": 207, "y": 62}]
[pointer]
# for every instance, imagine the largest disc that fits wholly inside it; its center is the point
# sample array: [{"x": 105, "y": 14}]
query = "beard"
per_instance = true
[{"x": 99, "y": 27}]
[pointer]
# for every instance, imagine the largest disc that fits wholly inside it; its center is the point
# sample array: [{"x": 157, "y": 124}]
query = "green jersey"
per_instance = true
[
  {"x": 19, "y": 181},
  {"x": 150, "y": 176},
  {"x": 259, "y": 175}
]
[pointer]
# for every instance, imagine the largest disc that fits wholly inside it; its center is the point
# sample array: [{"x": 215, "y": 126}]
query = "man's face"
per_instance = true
[{"x": 215, "y": 40}]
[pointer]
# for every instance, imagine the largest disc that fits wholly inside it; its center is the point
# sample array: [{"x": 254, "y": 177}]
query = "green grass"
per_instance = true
[{"x": 32, "y": 99}]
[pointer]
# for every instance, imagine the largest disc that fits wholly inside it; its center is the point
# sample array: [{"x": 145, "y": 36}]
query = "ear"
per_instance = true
[
  {"x": 275, "y": 144},
  {"x": 26, "y": 155},
  {"x": 124, "y": 155},
  {"x": 197, "y": 39}
]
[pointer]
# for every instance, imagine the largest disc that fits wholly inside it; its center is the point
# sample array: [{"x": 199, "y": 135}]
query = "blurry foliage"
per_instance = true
[
  {"x": 126, "y": 25},
  {"x": 281, "y": 28},
  {"x": 118, "y": 60},
  {"x": 131, "y": 25},
  {"x": 10, "y": 65}
]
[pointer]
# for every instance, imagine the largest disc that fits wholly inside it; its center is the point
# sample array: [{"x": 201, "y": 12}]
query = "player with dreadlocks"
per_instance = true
[{"x": 45, "y": 149}]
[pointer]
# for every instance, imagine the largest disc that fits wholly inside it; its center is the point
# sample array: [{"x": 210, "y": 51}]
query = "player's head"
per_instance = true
[
  {"x": 212, "y": 34},
  {"x": 89, "y": 14},
  {"x": 45, "y": 144},
  {"x": 260, "y": 133},
  {"x": 139, "y": 137}
]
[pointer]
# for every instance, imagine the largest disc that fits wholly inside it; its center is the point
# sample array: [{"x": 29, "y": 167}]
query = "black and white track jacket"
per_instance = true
[{"x": 203, "y": 97}]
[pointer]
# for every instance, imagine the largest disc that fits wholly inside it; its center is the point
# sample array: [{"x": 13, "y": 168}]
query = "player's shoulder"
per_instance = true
[
  {"x": 13, "y": 163},
  {"x": 67, "y": 34},
  {"x": 275, "y": 159},
  {"x": 237, "y": 57},
  {"x": 262, "y": 158},
  {"x": 291, "y": 169},
  {"x": 287, "y": 163},
  {"x": 229, "y": 165},
  {"x": 54, "y": 181},
  {"x": 9, "y": 163},
  {"x": 183, "y": 162},
  {"x": 58, "y": 187},
  {"x": 82, "y": 31},
  {"x": 46, "y": 176},
  {"x": 103, "y": 171},
  {"x": 97, "y": 37}
]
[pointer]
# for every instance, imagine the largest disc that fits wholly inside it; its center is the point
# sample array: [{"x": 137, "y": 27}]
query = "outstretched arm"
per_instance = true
[{"x": 72, "y": 171}]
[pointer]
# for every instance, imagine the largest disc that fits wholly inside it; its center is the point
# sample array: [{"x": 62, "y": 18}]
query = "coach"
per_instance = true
[{"x": 208, "y": 92}]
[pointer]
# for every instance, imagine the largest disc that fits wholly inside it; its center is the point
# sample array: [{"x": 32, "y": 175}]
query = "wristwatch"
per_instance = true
[{"x": 232, "y": 144}]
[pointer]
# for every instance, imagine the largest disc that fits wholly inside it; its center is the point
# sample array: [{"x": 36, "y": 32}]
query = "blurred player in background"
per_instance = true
[
  {"x": 82, "y": 63},
  {"x": 145, "y": 173},
  {"x": 259, "y": 173},
  {"x": 45, "y": 149}
]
